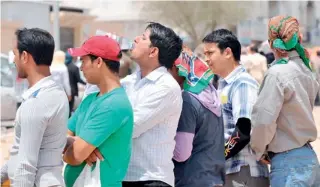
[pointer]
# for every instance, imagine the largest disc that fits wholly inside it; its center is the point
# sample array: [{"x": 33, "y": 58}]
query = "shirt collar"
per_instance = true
[
  {"x": 155, "y": 74},
  {"x": 234, "y": 74},
  {"x": 292, "y": 54},
  {"x": 34, "y": 90}
]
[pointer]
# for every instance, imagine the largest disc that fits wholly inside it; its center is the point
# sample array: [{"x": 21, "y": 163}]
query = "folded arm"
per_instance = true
[
  {"x": 97, "y": 130},
  {"x": 243, "y": 99},
  {"x": 239, "y": 138}
]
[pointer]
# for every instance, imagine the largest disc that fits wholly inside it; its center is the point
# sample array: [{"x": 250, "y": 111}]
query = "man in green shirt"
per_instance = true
[{"x": 104, "y": 120}]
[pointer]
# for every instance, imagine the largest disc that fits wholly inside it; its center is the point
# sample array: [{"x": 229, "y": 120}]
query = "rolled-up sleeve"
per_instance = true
[
  {"x": 33, "y": 125},
  {"x": 265, "y": 113}
]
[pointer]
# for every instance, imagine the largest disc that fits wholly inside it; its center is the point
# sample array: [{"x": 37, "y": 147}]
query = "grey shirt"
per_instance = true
[
  {"x": 282, "y": 116},
  {"x": 206, "y": 165},
  {"x": 40, "y": 136}
]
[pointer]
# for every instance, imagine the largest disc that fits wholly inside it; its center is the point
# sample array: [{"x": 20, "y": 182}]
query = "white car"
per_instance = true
[{"x": 8, "y": 96}]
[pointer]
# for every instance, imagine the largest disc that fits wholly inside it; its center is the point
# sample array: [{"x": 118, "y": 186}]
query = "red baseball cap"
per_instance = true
[{"x": 100, "y": 46}]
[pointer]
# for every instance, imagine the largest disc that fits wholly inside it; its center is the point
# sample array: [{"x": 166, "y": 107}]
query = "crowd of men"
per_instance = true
[{"x": 163, "y": 127}]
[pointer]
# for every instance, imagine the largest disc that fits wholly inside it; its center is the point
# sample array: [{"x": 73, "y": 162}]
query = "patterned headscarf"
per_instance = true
[
  {"x": 198, "y": 80},
  {"x": 284, "y": 35}
]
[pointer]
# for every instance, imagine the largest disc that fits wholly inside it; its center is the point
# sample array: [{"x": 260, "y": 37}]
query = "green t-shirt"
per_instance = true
[{"x": 106, "y": 122}]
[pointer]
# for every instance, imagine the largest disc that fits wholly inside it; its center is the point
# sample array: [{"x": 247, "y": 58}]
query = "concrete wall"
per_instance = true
[{"x": 30, "y": 14}]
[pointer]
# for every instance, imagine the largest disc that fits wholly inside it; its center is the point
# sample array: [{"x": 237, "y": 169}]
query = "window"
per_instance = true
[{"x": 66, "y": 38}]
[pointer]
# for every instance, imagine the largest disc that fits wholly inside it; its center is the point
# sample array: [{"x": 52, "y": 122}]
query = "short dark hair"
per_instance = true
[
  {"x": 224, "y": 39},
  {"x": 114, "y": 66},
  {"x": 167, "y": 41},
  {"x": 38, "y": 43},
  {"x": 254, "y": 48}
]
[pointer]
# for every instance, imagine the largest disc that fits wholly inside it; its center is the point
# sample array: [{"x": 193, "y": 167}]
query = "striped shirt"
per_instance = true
[
  {"x": 40, "y": 136},
  {"x": 157, "y": 103},
  {"x": 238, "y": 93}
]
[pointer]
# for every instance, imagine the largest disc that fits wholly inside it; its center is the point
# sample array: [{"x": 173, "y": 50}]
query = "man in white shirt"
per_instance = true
[{"x": 157, "y": 103}]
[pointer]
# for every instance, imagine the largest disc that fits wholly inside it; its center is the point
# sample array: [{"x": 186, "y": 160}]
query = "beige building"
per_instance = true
[{"x": 78, "y": 20}]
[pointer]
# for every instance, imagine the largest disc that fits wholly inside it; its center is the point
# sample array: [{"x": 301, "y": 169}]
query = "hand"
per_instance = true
[
  {"x": 93, "y": 157},
  {"x": 69, "y": 97},
  {"x": 70, "y": 140}
]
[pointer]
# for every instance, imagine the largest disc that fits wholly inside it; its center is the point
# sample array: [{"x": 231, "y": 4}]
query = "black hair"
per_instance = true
[
  {"x": 318, "y": 53},
  {"x": 114, "y": 66},
  {"x": 167, "y": 41},
  {"x": 38, "y": 43},
  {"x": 224, "y": 39},
  {"x": 254, "y": 48}
]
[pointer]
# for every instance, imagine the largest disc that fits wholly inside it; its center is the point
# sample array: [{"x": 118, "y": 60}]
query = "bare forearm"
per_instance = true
[
  {"x": 69, "y": 157},
  {"x": 70, "y": 141}
]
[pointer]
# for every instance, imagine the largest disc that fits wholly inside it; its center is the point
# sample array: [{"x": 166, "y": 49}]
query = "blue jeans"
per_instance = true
[{"x": 295, "y": 168}]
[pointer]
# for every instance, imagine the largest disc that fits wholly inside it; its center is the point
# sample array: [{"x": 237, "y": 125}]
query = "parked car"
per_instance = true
[{"x": 8, "y": 96}]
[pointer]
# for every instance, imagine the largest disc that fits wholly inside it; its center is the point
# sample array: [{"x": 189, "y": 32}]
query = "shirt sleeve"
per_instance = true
[
  {"x": 265, "y": 113},
  {"x": 33, "y": 126},
  {"x": 243, "y": 99},
  {"x": 185, "y": 132},
  {"x": 103, "y": 123},
  {"x": 163, "y": 100}
]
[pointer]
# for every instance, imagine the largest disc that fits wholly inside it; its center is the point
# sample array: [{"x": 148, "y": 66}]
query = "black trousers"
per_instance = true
[
  {"x": 71, "y": 104},
  {"x": 145, "y": 184}
]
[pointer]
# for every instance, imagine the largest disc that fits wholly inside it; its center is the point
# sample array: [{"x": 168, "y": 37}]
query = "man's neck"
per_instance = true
[
  {"x": 229, "y": 70},
  {"x": 145, "y": 70},
  {"x": 40, "y": 73},
  {"x": 108, "y": 84}
]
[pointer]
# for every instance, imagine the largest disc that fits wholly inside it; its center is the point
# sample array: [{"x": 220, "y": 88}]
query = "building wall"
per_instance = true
[
  {"x": 307, "y": 13},
  {"x": 30, "y": 14},
  {"x": 83, "y": 25},
  {"x": 8, "y": 29}
]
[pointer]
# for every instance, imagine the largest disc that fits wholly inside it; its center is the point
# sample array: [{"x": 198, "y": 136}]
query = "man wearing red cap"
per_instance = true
[
  {"x": 157, "y": 103},
  {"x": 102, "y": 125}
]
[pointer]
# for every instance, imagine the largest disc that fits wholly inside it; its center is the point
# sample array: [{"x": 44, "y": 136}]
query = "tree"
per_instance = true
[{"x": 195, "y": 18}]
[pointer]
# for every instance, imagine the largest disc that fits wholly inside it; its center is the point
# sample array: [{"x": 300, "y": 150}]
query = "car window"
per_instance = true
[{"x": 6, "y": 73}]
